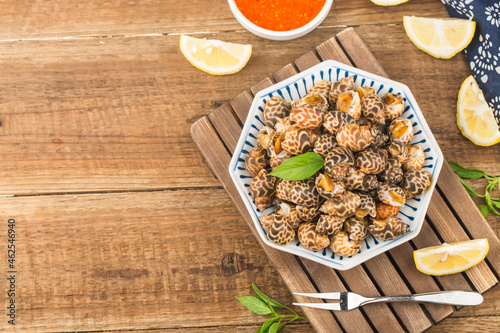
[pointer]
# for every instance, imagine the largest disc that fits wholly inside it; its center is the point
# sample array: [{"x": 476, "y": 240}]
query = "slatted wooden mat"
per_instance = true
[{"x": 451, "y": 217}]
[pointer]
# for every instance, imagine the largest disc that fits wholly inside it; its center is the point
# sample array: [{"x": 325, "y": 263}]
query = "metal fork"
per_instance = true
[{"x": 350, "y": 300}]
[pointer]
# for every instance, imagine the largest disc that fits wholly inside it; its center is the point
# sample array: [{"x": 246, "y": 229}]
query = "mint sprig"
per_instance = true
[
  {"x": 264, "y": 305},
  {"x": 299, "y": 167},
  {"x": 492, "y": 204}
]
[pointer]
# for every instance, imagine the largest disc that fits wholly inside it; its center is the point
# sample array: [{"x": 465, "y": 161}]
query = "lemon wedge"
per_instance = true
[
  {"x": 214, "y": 56},
  {"x": 388, "y": 2},
  {"x": 474, "y": 116},
  {"x": 451, "y": 258},
  {"x": 441, "y": 38}
]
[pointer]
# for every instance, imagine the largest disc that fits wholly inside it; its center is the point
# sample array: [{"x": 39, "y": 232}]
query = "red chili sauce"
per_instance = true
[{"x": 280, "y": 15}]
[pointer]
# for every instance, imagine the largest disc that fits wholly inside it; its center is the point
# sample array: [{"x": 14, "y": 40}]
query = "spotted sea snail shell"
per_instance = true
[
  {"x": 310, "y": 239},
  {"x": 388, "y": 229},
  {"x": 262, "y": 189},
  {"x": 275, "y": 109},
  {"x": 342, "y": 245}
]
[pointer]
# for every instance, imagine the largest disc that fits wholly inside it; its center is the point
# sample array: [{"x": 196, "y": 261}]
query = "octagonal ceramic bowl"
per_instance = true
[{"x": 294, "y": 88}]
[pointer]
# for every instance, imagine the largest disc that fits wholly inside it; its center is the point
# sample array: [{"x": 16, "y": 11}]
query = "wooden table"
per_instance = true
[{"x": 120, "y": 225}]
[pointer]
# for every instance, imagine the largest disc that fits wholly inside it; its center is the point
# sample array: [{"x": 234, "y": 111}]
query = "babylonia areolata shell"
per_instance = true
[
  {"x": 343, "y": 246},
  {"x": 357, "y": 228},
  {"x": 265, "y": 137},
  {"x": 373, "y": 108},
  {"x": 389, "y": 229},
  {"x": 338, "y": 163},
  {"x": 371, "y": 161},
  {"x": 284, "y": 125},
  {"x": 398, "y": 150},
  {"x": 335, "y": 120},
  {"x": 391, "y": 194},
  {"x": 329, "y": 224},
  {"x": 415, "y": 159},
  {"x": 307, "y": 213},
  {"x": 328, "y": 188},
  {"x": 394, "y": 106},
  {"x": 322, "y": 87},
  {"x": 340, "y": 86},
  {"x": 307, "y": 116},
  {"x": 304, "y": 193},
  {"x": 262, "y": 189},
  {"x": 401, "y": 129},
  {"x": 360, "y": 181},
  {"x": 267, "y": 221},
  {"x": 280, "y": 233},
  {"x": 256, "y": 160},
  {"x": 310, "y": 239},
  {"x": 283, "y": 189},
  {"x": 354, "y": 137},
  {"x": 275, "y": 109},
  {"x": 325, "y": 143},
  {"x": 367, "y": 206},
  {"x": 416, "y": 181},
  {"x": 393, "y": 173},
  {"x": 384, "y": 211},
  {"x": 317, "y": 100},
  {"x": 350, "y": 103},
  {"x": 291, "y": 214},
  {"x": 297, "y": 142},
  {"x": 343, "y": 208}
]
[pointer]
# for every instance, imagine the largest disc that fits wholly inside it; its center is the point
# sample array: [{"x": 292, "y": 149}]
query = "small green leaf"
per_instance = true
[
  {"x": 491, "y": 205},
  {"x": 274, "y": 328},
  {"x": 484, "y": 210},
  {"x": 299, "y": 167},
  {"x": 266, "y": 325},
  {"x": 466, "y": 173},
  {"x": 469, "y": 189},
  {"x": 254, "y": 304},
  {"x": 266, "y": 298},
  {"x": 496, "y": 203}
]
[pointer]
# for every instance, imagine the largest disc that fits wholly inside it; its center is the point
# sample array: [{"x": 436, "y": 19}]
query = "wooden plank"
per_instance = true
[
  {"x": 330, "y": 49},
  {"x": 265, "y": 83},
  {"x": 284, "y": 73},
  {"x": 306, "y": 61},
  {"x": 450, "y": 231},
  {"x": 326, "y": 280},
  {"x": 178, "y": 259},
  {"x": 427, "y": 238},
  {"x": 358, "y": 52},
  {"x": 286, "y": 264},
  {"x": 241, "y": 105},
  {"x": 469, "y": 217},
  {"x": 225, "y": 123},
  {"x": 390, "y": 283},
  {"x": 380, "y": 315},
  {"x": 418, "y": 282}
]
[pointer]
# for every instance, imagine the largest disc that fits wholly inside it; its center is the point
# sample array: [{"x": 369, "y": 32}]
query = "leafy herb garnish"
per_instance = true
[
  {"x": 492, "y": 204},
  {"x": 299, "y": 167},
  {"x": 264, "y": 305}
]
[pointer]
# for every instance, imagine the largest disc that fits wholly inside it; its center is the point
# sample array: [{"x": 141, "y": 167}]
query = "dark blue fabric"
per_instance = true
[{"x": 483, "y": 53}]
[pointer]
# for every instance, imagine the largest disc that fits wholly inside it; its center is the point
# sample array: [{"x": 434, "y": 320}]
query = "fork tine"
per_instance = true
[
  {"x": 325, "y": 306},
  {"x": 335, "y": 295}
]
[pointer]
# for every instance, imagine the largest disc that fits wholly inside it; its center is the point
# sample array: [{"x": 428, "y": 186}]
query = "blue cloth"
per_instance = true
[{"x": 483, "y": 53}]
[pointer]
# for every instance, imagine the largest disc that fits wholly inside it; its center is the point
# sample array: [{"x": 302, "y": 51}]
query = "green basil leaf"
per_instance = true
[
  {"x": 491, "y": 205},
  {"x": 274, "y": 328},
  {"x": 299, "y": 167},
  {"x": 469, "y": 189},
  {"x": 484, "y": 210},
  {"x": 466, "y": 173},
  {"x": 266, "y": 298},
  {"x": 266, "y": 325},
  {"x": 496, "y": 203},
  {"x": 254, "y": 304}
]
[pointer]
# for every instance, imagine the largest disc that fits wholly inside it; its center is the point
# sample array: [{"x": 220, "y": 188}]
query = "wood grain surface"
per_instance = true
[{"x": 121, "y": 226}]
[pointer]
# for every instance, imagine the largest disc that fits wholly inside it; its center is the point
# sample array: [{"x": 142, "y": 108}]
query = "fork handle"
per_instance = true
[{"x": 442, "y": 297}]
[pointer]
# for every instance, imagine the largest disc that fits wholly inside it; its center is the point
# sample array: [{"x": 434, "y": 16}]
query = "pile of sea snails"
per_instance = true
[{"x": 370, "y": 168}]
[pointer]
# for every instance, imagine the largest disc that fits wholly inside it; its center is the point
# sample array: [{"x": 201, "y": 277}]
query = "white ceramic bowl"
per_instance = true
[
  {"x": 294, "y": 88},
  {"x": 280, "y": 35}
]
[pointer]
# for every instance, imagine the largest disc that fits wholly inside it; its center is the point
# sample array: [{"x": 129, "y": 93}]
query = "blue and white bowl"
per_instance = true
[{"x": 413, "y": 213}]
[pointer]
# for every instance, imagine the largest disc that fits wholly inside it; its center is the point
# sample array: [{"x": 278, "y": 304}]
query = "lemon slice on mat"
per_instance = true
[
  {"x": 441, "y": 38},
  {"x": 214, "y": 56},
  {"x": 474, "y": 116},
  {"x": 451, "y": 258},
  {"x": 388, "y": 2}
]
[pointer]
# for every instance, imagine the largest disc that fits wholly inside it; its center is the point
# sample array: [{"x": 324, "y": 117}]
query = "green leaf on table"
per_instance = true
[
  {"x": 469, "y": 189},
  {"x": 266, "y": 325},
  {"x": 266, "y": 298},
  {"x": 466, "y": 173},
  {"x": 299, "y": 167},
  {"x": 275, "y": 327},
  {"x": 484, "y": 210},
  {"x": 491, "y": 204},
  {"x": 496, "y": 203},
  {"x": 254, "y": 304}
]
